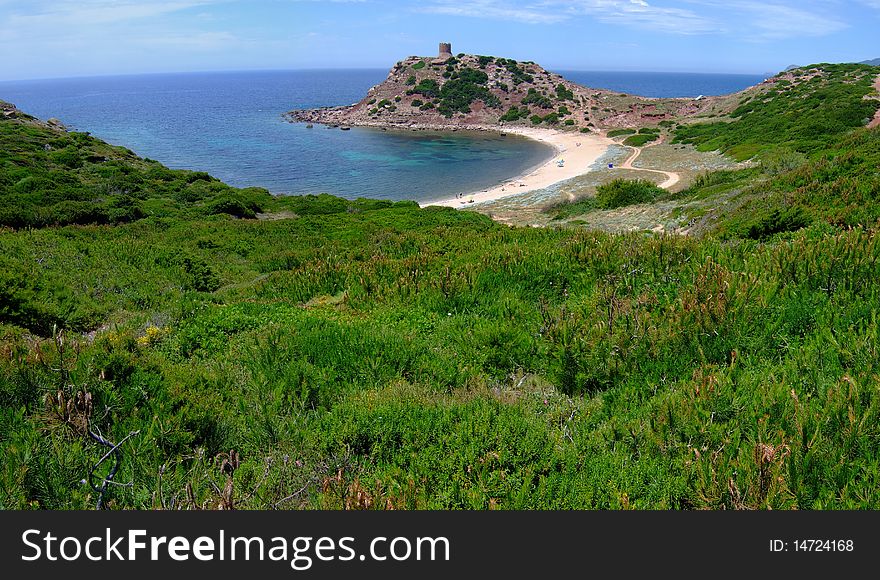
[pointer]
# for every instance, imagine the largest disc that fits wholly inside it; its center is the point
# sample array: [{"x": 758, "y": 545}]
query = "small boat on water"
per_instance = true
[
  {"x": 309, "y": 126},
  {"x": 345, "y": 128}
]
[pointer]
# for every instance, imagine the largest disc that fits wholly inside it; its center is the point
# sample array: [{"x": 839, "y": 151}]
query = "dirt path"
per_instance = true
[{"x": 671, "y": 178}]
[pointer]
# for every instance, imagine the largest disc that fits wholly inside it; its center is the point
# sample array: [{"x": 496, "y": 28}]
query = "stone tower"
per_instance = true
[{"x": 445, "y": 53}]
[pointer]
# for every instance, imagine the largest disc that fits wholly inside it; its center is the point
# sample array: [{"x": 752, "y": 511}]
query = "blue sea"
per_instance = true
[{"x": 229, "y": 124}]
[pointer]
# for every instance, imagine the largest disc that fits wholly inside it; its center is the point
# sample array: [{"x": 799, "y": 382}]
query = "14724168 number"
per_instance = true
[{"x": 823, "y": 545}]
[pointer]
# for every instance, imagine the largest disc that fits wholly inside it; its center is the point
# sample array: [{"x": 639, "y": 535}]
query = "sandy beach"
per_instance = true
[{"x": 578, "y": 150}]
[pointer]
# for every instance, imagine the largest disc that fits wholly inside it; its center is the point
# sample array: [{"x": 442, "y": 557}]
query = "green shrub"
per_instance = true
[
  {"x": 533, "y": 97},
  {"x": 564, "y": 94},
  {"x": 639, "y": 140},
  {"x": 623, "y": 192}
]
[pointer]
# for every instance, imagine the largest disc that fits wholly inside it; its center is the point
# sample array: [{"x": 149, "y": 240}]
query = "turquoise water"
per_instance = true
[{"x": 230, "y": 125}]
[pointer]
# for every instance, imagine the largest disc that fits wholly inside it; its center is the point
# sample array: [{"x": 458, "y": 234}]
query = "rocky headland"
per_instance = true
[{"x": 472, "y": 92}]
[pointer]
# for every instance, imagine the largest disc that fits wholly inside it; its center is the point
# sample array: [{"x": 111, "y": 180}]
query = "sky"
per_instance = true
[{"x": 64, "y": 38}]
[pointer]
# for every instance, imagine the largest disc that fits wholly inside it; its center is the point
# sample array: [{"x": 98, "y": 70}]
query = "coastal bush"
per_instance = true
[
  {"x": 777, "y": 221},
  {"x": 571, "y": 208},
  {"x": 419, "y": 65},
  {"x": 536, "y": 119},
  {"x": 514, "y": 114},
  {"x": 411, "y": 80},
  {"x": 417, "y": 103},
  {"x": 621, "y": 132},
  {"x": 640, "y": 139},
  {"x": 803, "y": 118},
  {"x": 623, "y": 192},
  {"x": 457, "y": 95},
  {"x": 533, "y": 97},
  {"x": 563, "y": 93},
  {"x": 518, "y": 74},
  {"x": 429, "y": 88}
]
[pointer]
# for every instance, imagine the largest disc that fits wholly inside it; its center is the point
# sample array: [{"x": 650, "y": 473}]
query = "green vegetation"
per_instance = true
[
  {"x": 515, "y": 114},
  {"x": 467, "y": 85},
  {"x": 623, "y": 192},
  {"x": 640, "y": 139},
  {"x": 550, "y": 119},
  {"x": 838, "y": 186},
  {"x": 621, "y": 132},
  {"x": 804, "y": 116},
  {"x": 429, "y": 88},
  {"x": 533, "y": 97},
  {"x": 519, "y": 74},
  {"x": 485, "y": 60},
  {"x": 568, "y": 209},
  {"x": 369, "y": 354},
  {"x": 564, "y": 94},
  {"x": 53, "y": 178},
  {"x": 419, "y": 65}
]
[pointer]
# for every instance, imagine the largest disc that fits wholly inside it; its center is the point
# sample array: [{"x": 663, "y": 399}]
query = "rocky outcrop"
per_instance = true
[{"x": 471, "y": 91}]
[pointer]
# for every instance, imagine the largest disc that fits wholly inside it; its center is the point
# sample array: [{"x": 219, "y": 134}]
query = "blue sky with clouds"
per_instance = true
[{"x": 54, "y": 38}]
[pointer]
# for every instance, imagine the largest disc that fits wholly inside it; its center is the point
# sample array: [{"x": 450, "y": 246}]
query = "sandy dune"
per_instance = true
[{"x": 578, "y": 150}]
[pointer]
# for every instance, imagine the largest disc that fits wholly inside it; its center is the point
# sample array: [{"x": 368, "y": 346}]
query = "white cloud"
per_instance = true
[
  {"x": 745, "y": 19},
  {"x": 633, "y": 13},
  {"x": 641, "y": 14},
  {"x": 778, "y": 20},
  {"x": 529, "y": 13}
]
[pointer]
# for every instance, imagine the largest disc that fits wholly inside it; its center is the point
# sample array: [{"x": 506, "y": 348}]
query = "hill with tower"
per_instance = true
[{"x": 488, "y": 92}]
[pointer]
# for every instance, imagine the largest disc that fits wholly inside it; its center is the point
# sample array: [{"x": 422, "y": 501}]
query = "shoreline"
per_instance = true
[{"x": 578, "y": 150}]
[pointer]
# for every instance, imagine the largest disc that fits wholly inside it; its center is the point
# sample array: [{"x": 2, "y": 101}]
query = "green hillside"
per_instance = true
[
  {"x": 802, "y": 110},
  {"x": 345, "y": 355}
]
